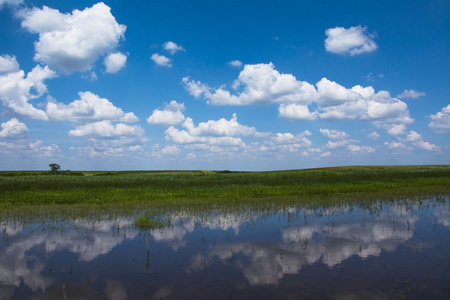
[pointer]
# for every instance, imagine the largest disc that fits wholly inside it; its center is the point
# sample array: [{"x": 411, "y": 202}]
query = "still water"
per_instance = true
[{"x": 397, "y": 251}]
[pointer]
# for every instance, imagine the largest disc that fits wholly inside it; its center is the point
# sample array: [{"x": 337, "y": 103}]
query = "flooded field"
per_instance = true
[{"x": 382, "y": 251}]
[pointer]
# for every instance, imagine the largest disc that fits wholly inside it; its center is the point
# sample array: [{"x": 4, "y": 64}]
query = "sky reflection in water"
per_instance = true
[{"x": 388, "y": 253}]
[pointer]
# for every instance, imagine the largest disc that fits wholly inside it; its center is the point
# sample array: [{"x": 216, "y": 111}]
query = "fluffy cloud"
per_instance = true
[
  {"x": 161, "y": 60},
  {"x": 396, "y": 129},
  {"x": 353, "y": 41},
  {"x": 359, "y": 103},
  {"x": 25, "y": 148},
  {"x": 289, "y": 138},
  {"x": 374, "y": 135},
  {"x": 235, "y": 63},
  {"x": 13, "y": 129},
  {"x": 440, "y": 122},
  {"x": 89, "y": 108},
  {"x": 334, "y": 134},
  {"x": 220, "y": 127},
  {"x": 8, "y": 64},
  {"x": 394, "y": 145},
  {"x": 115, "y": 62},
  {"x": 427, "y": 146},
  {"x": 172, "y": 47},
  {"x": 73, "y": 42},
  {"x": 360, "y": 149},
  {"x": 418, "y": 141},
  {"x": 410, "y": 94},
  {"x": 286, "y": 142},
  {"x": 213, "y": 133},
  {"x": 171, "y": 115},
  {"x": 171, "y": 149},
  {"x": 338, "y": 144},
  {"x": 106, "y": 129},
  {"x": 15, "y": 89},
  {"x": 296, "y": 112},
  {"x": 262, "y": 85},
  {"x": 413, "y": 136},
  {"x": 183, "y": 137}
]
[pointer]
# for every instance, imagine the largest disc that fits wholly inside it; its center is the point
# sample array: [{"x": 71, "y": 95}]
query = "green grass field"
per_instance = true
[
  {"x": 183, "y": 187},
  {"x": 67, "y": 195}
]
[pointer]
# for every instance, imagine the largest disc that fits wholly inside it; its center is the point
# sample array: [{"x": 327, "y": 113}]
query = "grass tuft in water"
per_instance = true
[{"x": 145, "y": 222}]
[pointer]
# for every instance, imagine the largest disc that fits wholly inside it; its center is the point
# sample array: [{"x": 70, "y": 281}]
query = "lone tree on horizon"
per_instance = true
[{"x": 54, "y": 167}]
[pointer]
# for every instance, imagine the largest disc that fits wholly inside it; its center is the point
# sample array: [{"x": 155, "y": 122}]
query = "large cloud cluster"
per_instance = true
[
  {"x": 17, "y": 89},
  {"x": 74, "y": 41},
  {"x": 300, "y": 100}
]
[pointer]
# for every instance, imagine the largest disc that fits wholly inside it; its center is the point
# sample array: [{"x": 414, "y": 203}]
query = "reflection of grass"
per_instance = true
[
  {"x": 211, "y": 189},
  {"x": 145, "y": 222}
]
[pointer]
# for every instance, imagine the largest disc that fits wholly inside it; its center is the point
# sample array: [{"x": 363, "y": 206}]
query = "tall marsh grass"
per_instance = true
[{"x": 210, "y": 189}]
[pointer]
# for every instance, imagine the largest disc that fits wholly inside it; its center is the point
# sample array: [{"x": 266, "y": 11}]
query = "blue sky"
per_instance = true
[{"x": 237, "y": 85}]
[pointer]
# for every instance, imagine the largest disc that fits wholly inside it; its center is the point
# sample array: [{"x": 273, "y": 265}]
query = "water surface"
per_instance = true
[{"x": 399, "y": 251}]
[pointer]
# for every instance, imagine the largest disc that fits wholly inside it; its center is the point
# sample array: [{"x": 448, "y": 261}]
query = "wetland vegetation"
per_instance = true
[{"x": 173, "y": 234}]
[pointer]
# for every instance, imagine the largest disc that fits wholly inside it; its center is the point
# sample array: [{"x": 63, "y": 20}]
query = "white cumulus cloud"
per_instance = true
[
  {"x": 13, "y": 129},
  {"x": 220, "y": 127},
  {"x": 334, "y": 134},
  {"x": 394, "y": 145},
  {"x": 172, "y": 114},
  {"x": 262, "y": 85},
  {"x": 236, "y": 63},
  {"x": 88, "y": 108},
  {"x": 106, "y": 129},
  {"x": 8, "y": 64},
  {"x": 411, "y": 94},
  {"x": 396, "y": 129},
  {"x": 74, "y": 41},
  {"x": 296, "y": 112},
  {"x": 440, "y": 122},
  {"x": 15, "y": 91},
  {"x": 172, "y": 47},
  {"x": 354, "y": 40},
  {"x": 114, "y": 62},
  {"x": 374, "y": 135},
  {"x": 300, "y": 100},
  {"x": 161, "y": 60},
  {"x": 171, "y": 149}
]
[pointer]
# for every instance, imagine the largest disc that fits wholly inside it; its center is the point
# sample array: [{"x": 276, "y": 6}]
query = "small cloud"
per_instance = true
[
  {"x": 325, "y": 154},
  {"x": 394, "y": 145},
  {"x": 13, "y": 129},
  {"x": 115, "y": 62},
  {"x": 396, "y": 129},
  {"x": 410, "y": 94},
  {"x": 92, "y": 76},
  {"x": 236, "y": 63},
  {"x": 161, "y": 60},
  {"x": 8, "y": 64},
  {"x": 171, "y": 115},
  {"x": 374, "y": 135},
  {"x": 353, "y": 41},
  {"x": 172, "y": 47},
  {"x": 440, "y": 122},
  {"x": 276, "y": 38},
  {"x": 171, "y": 149},
  {"x": 334, "y": 134},
  {"x": 369, "y": 77}
]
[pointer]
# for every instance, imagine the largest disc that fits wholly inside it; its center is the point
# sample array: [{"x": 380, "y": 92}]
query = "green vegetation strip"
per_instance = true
[{"x": 163, "y": 189}]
